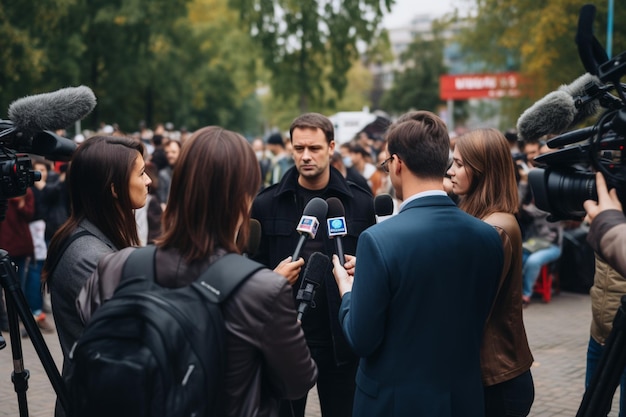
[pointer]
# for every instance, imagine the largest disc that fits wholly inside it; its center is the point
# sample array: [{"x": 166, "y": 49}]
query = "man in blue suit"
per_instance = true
[{"x": 422, "y": 288}]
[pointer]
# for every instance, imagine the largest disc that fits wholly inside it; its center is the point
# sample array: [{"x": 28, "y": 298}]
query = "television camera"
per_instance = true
[
  {"x": 30, "y": 130},
  {"x": 566, "y": 177}
]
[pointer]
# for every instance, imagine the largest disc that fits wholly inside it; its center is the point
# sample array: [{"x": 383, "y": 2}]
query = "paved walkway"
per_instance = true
[{"x": 558, "y": 334}]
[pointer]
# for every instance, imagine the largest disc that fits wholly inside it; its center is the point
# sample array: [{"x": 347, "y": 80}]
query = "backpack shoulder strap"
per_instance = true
[
  {"x": 71, "y": 238},
  {"x": 138, "y": 268},
  {"x": 225, "y": 275}
]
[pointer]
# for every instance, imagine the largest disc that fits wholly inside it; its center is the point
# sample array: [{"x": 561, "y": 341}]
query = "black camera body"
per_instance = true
[
  {"x": 567, "y": 176},
  {"x": 30, "y": 130},
  {"x": 16, "y": 169}
]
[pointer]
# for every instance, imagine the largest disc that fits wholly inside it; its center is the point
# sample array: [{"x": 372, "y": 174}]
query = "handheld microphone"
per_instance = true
[
  {"x": 314, "y": 272},
  {"x": 383, "y": 205},
  {"x": 336, "y": 225},
  {"x": 558, "y": 111},
  {"x": 254, "y": 240},
  {"x": 52, "y": 111},
  {"x": 309, "y": 222}
]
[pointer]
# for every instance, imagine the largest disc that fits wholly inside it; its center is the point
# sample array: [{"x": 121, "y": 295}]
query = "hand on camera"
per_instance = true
[{"x": 607, "y": 200}]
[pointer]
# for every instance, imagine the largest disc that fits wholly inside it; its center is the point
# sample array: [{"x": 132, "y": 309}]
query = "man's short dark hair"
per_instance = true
[
  {"x": 313, "y": 121},
  {"x": 511, "y": 136},
  {"x": 356, "y": 148},
  {"x": 276, "y": 139},
  {"x": 420, "y": 139}
]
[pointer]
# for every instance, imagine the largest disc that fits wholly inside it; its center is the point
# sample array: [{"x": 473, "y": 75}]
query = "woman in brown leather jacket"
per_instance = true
[
  {"x": 207, "y": 215},
  {"x": 483, "y": 175}
]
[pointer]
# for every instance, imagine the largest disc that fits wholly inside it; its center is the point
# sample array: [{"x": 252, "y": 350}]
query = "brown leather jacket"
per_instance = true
[
  {"x": 505, "y": 353},
  {"x": 267, "y": 355}
]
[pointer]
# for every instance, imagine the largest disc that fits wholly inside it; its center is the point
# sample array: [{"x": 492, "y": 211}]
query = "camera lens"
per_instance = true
[{"x": 562, "y": 193}]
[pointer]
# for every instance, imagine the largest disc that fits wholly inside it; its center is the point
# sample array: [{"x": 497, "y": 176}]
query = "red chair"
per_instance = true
[{"x": 547, "y": 279}]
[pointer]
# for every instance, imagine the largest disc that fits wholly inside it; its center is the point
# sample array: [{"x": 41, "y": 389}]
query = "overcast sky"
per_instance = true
[{"x": 403, "y": 10}]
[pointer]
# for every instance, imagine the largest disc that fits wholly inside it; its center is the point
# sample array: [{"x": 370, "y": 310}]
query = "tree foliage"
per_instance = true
[
  {"x": 536, "y": 39},
  {"x": 279, "y": 112},
  {"x": 299, "y": 39},
  {"x": 185, "y": 61},
  {"x": 416, "y": 84}
]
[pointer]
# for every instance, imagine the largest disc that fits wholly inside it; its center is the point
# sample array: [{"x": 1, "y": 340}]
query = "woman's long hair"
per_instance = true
[
  {"x": 99, "y": 165},
  {"x": 487, "y": 156},
  {"x": 215, "y": 179}
]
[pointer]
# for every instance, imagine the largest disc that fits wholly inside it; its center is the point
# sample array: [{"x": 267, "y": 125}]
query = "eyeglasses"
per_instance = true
[{"x": 385, "y": 164}]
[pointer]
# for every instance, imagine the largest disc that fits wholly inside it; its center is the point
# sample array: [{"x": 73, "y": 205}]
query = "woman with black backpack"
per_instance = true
[{"x": 207, "y": 218}]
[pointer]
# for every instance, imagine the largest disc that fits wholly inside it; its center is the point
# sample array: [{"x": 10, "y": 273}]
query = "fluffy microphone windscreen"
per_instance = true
[
  {"x": 554, "y": 113},
  {"x": 577, "y": 89},
  {"x": 52, "y": 111}
]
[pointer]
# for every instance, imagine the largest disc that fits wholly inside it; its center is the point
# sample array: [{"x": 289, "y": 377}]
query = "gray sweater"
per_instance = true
[{"x": 74, "y": 268}]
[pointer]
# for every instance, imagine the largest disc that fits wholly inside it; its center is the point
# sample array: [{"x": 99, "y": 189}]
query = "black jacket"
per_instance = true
[{"x": 278, "y": 210}]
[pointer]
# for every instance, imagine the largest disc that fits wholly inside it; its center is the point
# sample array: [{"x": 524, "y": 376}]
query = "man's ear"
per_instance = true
[
  {"x": 113, "y": 191},
  {"x": 398, "y": 168}
]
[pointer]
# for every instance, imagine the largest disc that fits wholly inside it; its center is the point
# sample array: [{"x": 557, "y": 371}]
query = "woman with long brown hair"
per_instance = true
[
  {"x": 207, "y": 216},
  {"x": 483, "y": 175},
  {"x": 106, "y": 182}
]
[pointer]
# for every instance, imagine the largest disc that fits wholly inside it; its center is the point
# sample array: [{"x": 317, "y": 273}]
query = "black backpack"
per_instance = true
[{"x": 153, "y": 351}]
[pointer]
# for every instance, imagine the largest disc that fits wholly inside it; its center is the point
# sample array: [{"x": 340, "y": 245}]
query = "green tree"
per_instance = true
[
  {"x": 185, "y": 61},
  {"x": 416, "y": 84},
  {"x": 536, "y": 39},
  {"x": 279, "y": 112},
  {"x": 299, "y": 39},
  {"x": 377, "y": 56},
  {"x": 24, "y": 57}
]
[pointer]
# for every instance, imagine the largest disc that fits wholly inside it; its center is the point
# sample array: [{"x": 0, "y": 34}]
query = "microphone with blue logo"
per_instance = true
[
  {"x": 309, "y": 222},
  {"x": 336, "y": 224}
]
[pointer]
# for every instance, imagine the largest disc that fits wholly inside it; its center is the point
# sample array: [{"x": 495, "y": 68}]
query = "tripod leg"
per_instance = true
[
  {"x": 20, "y": 376},
  {"x": 17, "y": 306}
]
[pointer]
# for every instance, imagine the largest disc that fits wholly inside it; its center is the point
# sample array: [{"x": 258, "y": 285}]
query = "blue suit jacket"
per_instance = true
[{"x": 424, "y": 284}]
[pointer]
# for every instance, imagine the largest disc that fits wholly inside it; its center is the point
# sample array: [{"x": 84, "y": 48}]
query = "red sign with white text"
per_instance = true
[{"x": 466, "y": 86}]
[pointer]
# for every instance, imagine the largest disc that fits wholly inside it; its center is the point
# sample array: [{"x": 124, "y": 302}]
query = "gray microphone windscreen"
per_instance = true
[
  {"x": 577, "y": 89},
  {"x": 552, "y": 114},
  {"x": 52, "y": 111}
]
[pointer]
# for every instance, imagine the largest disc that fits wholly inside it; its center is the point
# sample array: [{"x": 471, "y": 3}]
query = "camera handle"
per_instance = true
[
  {"x": 599, "y": 394},
  {"x": 17, "y": 305}
]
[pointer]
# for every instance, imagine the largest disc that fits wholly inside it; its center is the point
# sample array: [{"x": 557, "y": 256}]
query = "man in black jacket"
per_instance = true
[{"x": 278, "y": 209}]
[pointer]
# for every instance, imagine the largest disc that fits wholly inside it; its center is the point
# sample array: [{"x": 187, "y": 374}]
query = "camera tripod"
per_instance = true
[
  {"x": 599, "y": 394},
  {"x": 17, "y": 305}
]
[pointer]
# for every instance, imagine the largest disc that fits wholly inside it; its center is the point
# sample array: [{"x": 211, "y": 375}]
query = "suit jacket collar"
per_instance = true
[{"x": 429, "y": 201}]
